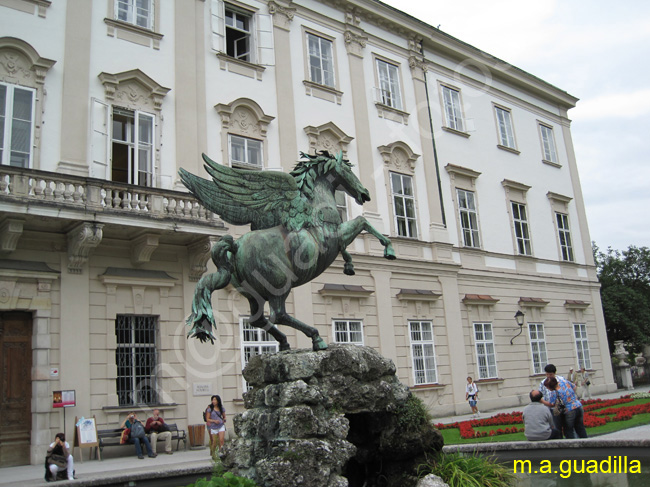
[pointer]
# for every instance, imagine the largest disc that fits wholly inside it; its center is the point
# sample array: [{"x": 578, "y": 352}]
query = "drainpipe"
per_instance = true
[{"x": 433, "y": 140}]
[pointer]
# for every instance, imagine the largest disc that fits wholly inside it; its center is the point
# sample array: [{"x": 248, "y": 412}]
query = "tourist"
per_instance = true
[
  {"x": 215, "y": 417},
  {"x": 585, "y": 381},
  {"x": 471, "y": 395},
  {"x": 156, "y": 427},
  {"x": 572, "y": 377},
  {"x": 58, "y": 457},
  {"x": 548, "y": 398},
  {"x": 538, "y": 420},
  {"x": 137, "y": 435},
  {"x": 573, "y": 413}
]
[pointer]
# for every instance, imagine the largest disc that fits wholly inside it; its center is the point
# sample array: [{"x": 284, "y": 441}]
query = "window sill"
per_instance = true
[
  {"x": 237, "y": 66},
  {"x": 457, "y": 132},
  {"x": 390, "y": 113},
  {"x": 551, "y": 163},
  {"x": 508, "y": 149},
  {"x": 421, "y": 387},
  {"x": 141, "y": 407},
  {"x": 132, "y": 33},
  {"x": 495, "y": 380},
  {"x": 323, "y": 92}
]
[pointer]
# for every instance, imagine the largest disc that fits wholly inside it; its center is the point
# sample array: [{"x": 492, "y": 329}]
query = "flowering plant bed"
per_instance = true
[{"x": 598, "y": 413}]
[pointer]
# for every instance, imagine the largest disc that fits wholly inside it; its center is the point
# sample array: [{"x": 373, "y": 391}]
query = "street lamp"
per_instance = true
[{"x": 519, "y": 318}]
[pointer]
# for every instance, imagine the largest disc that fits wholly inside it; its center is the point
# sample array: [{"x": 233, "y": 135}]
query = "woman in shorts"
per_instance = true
[{"x": 215, "y": 418}]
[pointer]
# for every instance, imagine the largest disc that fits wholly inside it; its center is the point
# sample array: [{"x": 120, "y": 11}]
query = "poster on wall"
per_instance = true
[{"x": 63, "y": 399}]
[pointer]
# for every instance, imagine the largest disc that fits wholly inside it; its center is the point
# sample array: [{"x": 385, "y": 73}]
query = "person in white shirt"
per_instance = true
[
  {"x": 471, "y": 395},
  {"x": 58, "y": 458}
]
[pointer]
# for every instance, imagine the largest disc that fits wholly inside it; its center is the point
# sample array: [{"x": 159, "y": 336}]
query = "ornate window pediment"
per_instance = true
[
  {"x": 399, "y": 157},
  {"x": 244, "y": 117},
  {"x": 134, "y": 90},
  {"x": 21, "y": 64},
  {"x": 328, "y": 137}
]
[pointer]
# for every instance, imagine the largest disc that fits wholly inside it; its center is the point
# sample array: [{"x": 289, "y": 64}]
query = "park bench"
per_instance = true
[{"x": 111, "y": 437}]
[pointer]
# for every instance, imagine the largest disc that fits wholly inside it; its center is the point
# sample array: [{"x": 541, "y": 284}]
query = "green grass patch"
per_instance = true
[
  {"x": 460, "y": 470},
  {"x": 638, "y": 420}
]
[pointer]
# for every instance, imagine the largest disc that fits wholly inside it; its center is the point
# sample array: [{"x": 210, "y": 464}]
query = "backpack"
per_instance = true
[
  {"x": 137, "y": 430},
  {"x": 206, "y": 410}
]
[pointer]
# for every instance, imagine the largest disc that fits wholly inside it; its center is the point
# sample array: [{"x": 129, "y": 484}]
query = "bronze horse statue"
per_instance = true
[{"x": 296, "y": 233}]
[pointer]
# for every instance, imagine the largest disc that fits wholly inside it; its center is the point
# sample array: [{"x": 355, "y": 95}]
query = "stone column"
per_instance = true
[
  {"x": 282, "y": 16},
  {"x": 437, "y": 230},
  {"x": 385, "y": 320},
  {"x": 190, "y": 103},
  {"x": 355, "y": 43},
  {"x": 76, "y": 88}
]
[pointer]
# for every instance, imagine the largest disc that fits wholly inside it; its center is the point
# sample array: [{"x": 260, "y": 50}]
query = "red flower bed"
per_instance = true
[{"x": 592, "y": 418}]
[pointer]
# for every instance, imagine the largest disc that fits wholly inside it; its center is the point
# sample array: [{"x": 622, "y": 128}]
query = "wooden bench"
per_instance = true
[{"x": 111, "y": 437}]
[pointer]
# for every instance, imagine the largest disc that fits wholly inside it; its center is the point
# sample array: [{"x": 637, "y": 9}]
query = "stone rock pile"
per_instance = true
[{"x": 332, "y": 418}]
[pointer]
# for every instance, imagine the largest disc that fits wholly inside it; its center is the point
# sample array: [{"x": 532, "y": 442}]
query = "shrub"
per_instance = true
[
  {"x": 413, "y": 415},
  {"x": 225, "y": 480},
  {"x": 459, "y": 470}
]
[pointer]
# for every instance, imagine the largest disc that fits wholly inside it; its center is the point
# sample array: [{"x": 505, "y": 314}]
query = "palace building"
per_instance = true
[{"x": 469, "y": 162}]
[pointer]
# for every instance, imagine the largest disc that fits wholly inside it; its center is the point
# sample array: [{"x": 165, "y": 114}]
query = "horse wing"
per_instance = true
[{"x": 240, "y": 196}]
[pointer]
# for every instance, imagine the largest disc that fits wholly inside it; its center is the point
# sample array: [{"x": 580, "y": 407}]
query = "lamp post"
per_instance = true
[{"x": 519, "y": 318}]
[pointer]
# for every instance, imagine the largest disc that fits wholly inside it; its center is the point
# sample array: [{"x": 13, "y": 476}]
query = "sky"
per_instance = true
[{"x": 596, "y": 51}]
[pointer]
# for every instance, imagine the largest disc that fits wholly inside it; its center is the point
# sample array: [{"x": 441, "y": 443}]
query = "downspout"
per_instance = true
[{"x": 433, "y": 140}]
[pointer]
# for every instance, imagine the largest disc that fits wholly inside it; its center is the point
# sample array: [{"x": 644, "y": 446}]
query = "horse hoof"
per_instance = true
[
  {"x": 389, "y": 254},
  {"x": 318, "y": 344},
  {"x": 285, "y": 346},
  {"x": 348, "y": 269}
]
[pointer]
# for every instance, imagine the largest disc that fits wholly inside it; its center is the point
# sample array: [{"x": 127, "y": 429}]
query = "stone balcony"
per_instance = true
[
  {"x": 38, "y": 192},
  {"x": 78, "y": 213}
]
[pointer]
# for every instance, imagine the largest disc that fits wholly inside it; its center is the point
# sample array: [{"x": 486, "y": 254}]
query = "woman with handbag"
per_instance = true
[
  {"x": 58, "y": 458},
  {"x": 569, "y": 407}
]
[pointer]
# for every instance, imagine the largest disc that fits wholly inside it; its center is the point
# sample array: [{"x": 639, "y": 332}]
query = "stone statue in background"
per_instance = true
[{"x": 296, "y": 234}]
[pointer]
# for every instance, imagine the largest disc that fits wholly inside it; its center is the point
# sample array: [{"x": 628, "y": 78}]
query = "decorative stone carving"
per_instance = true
[
  {"x": 355, "y": 42},
  {"x": 133, "y": 89},
  {"x": 142, "y": 248},
  {"x": 327, "y": 137},
  {"x": 399, "y": 157},
  {"x": 244, "y": 117},
  {"x": 81, "y": 240},
  {"x": 199, "y": 254},
  {"x": 282, "y": 15},
  {"x": 20, "y": 63},
  {"x": 10, "y": 231}
]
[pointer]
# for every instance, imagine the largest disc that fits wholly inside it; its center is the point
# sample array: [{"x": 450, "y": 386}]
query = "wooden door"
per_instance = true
[{"x": 15, "y": 387}]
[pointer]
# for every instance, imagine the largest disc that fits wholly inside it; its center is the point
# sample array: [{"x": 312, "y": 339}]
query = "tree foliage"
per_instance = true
[{"x": 625, "y": 292}]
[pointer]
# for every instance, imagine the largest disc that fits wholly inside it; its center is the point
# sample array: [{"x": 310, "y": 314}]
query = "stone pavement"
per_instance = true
[{"x": 197, "y": 462}]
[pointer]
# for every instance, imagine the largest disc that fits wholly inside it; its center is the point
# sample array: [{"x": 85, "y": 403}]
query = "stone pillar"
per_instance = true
[
  {"x": 355, "y": 43},
  {"x": 282, "y": 17}
]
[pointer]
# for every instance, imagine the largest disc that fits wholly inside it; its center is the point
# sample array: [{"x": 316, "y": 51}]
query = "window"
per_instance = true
[
  {"x": 137, "y": 12},
  {"x": 423, "y": 352},
  {"x": 348, "y": 331},
  {"x": 453, "y": 113},
  {"x": 16, "y": 125},
  {"x": 582, "y": 345},
  {"x": 566, "y": 246},
  {"x": 538, "y": 347},
  {"x": 245, "y": 151},
  {"x": 132, "y": 147},
  {"x": 389, "y": 88},
  {"x": 239, "y": 25},
  {"x": 255, "y": 341},
  {"x": 486, "y": 359},
  {"x": 468, "y": 218},
  {"x": 506, "y": 134},
  {"x": 321, "y": 60},
  {"x": 341, "y": 204},
  {"x": 520, "y": 222},
  {"x": 404, "y": 203},
  {"x": 135, "y": 358},
  {"x": 548, "y": 143}
]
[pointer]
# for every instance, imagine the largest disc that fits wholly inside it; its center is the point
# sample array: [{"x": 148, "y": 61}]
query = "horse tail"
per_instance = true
[{"x": 202, "y": 318}]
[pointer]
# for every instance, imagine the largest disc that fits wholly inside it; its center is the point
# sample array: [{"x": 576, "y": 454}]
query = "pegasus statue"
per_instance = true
[{"x": 296, "y": 233}]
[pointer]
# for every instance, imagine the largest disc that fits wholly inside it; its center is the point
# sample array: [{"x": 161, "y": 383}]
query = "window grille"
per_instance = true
[{"x": 136, "y": 359}]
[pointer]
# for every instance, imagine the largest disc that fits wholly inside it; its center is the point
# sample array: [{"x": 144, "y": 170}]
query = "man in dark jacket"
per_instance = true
[{"x": 156, "y": 427}]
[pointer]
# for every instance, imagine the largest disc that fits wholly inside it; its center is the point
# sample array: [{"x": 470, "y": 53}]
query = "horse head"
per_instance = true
[{"x": 341, "y": 171}]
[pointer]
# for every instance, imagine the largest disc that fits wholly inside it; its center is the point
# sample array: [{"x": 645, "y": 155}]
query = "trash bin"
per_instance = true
[{"x": 197, "y": 436}]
